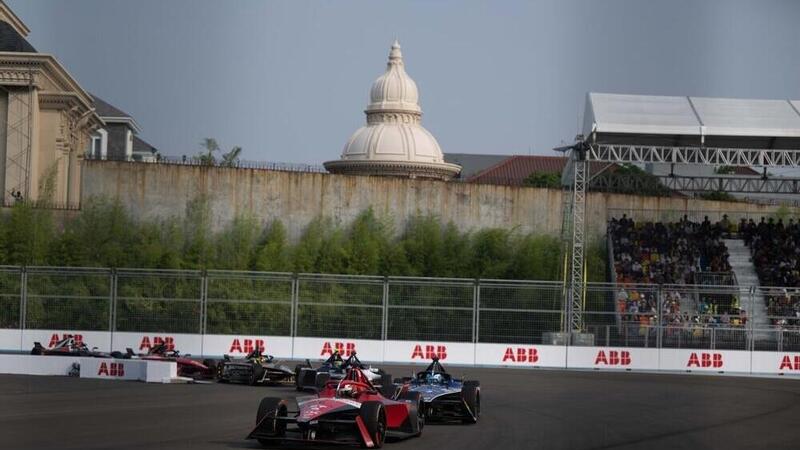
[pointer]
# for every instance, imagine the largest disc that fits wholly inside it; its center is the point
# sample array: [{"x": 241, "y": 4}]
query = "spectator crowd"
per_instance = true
[
  {"x": 775, "y": 253},
  {"x": 669, "y": 254}
]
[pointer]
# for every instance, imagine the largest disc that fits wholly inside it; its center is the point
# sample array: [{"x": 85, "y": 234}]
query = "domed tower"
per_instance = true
[{"x": 394, "y": 142}]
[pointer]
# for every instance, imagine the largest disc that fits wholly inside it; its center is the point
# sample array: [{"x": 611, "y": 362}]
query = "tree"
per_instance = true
[
  {"x": 719, "y": 196},
  {"x": 422, "y": 243},
  {"x": 550, "y": 180},
  {"x": 368, "y": 239},
  {"x": 490, "y": 253},
  {"x": 27, "y": 235},
  {"x": 273, "y": 253},
  {"x": 236, "y": 244},
  {"x": 231, "y": 159},
  {"x": 210, "y": 147},
  {"x": 198, "y": 248}
]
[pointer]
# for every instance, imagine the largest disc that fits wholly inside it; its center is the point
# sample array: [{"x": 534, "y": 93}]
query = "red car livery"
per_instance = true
[{"x": 346, "y": 411}]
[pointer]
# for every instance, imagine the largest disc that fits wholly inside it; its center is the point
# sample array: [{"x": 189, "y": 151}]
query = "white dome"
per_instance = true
[
  {"x": 393, "y": 142},
  {"x": 394, "y": 90}
]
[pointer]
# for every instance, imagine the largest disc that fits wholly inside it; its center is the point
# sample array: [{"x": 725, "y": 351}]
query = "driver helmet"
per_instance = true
[
  {"x": 435, "y": 378},
  {"x": 348, "y": 391}
]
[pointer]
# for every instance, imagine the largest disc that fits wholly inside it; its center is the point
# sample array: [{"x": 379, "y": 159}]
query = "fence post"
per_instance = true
[
  {"x": 385, "y": 310},
  {"x": 294, "y": 307},
  {"x": 476, "y": 311},
  {"x": 203, "y": 287},
  {"x": 23, "y": 303},
  {"x": 112, "y": 303},
  {"x": 750, "y": 333},
  {"x": 713, "y": 338},
  {"x": 659, "y": 316}
]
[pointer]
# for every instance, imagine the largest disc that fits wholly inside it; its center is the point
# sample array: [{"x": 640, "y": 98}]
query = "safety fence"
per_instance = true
[{"x": 127, "y": 305}]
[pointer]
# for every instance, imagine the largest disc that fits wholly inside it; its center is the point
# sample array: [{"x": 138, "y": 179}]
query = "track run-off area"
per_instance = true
[{"x": 547, "y": 409}]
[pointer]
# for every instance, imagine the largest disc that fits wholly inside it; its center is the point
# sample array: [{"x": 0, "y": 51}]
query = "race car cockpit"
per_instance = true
[
  {"x": 335, "y": 360},
  {"x": 258, "y": 355},
  {"x": 434, "y": 373}
]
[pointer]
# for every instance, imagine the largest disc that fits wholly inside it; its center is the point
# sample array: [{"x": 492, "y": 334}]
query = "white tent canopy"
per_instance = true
[{"x": 668, "y": 120}]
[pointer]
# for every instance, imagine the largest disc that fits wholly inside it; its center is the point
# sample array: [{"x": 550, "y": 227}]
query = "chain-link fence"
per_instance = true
[{"x": 395, "y": 308}]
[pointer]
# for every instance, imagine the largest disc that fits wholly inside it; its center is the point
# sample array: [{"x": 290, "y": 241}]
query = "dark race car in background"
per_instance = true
[
  {"x": 445, "y": 398},
  {"x": 334, "y": 368},
  {"x": 350, "y": 410},
  {"x": 69, "y": 347},
  {"x": 187, "y": 367},
  {"x": 255, "y": 368}
]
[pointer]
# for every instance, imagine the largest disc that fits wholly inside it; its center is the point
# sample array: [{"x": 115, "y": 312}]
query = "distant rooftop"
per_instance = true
[
  {"x": 12, "y": 41},
  {"x": 673, "y": 118}
]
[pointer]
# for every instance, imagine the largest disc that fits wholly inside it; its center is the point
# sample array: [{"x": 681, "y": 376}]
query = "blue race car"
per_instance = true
[{"x": 445, "y": 398}]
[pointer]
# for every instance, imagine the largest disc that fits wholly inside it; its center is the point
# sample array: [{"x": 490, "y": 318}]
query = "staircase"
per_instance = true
[{"x": 746, "y": 276}]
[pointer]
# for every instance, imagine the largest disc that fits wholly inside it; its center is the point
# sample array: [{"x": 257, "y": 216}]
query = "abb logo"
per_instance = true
[
  {"x": 429, "y": 351},
  {"x": 614, "y": 358},
  {"x": 111, "y": 370},
  {"x": 246, "y": 345},
  {"x": 790, "y": 363},
  {"x": 521, "y": 354},
  {"x": 146, "y": 343},
  {"x": 344, "y": 348},
  {"x": 705, "y": 360},
  {"x": 55, "y": 338}
]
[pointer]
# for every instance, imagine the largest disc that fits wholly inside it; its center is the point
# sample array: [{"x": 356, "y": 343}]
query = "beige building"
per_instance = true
[{"x": 46, "y": 121}]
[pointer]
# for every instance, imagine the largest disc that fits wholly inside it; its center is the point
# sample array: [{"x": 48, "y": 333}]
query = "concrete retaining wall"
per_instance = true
[{"x": 162, "y": 190}]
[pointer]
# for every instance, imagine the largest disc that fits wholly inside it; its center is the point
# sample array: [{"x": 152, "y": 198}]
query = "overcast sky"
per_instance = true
[{"x": 288, "y": 81}]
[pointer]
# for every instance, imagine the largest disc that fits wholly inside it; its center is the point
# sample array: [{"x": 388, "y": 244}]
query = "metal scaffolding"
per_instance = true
[
  {"x": 576, "y": 177},
  {"x": 749, "y": 185},
  {"x": 743, "y": 157},
  {"x": 17, "y": 134}
]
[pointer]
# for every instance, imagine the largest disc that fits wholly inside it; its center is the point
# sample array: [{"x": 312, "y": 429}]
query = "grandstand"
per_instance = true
[{"x": 687, "y": 281}]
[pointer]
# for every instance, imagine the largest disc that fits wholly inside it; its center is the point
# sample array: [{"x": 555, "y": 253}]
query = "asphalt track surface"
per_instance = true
[{"x": 520, "y": 409}]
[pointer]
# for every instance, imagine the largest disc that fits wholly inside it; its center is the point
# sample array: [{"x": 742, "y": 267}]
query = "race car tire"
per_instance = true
[
  {"x": 419, "y": 404},
  {"x": 220, "y": 370},
  {"x": 373, "y": 415},
  {"x": 212, "y": 366},
  {"x": 320, "y": 380},
  {"x": 306, "y": 379},
  {"x": 298, "y": 377},
  {"x": 117, "y": 354},
  {"x": 276, "y": 407},
  {"x": 256, "y": 374},
  {"x": 471, "y": 395},
  {"x": 387, "y": 386}
]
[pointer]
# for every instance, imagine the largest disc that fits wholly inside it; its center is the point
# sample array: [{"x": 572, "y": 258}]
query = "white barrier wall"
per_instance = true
[
  {"x": 720, "y": 361},
  {"x": 322, "y": 348},
  {"x": 102, "y": 368},
  {"x": 128, "y": 369},
  {"x": 187, "y": 344},
  {"x": 414, "y": 352},
  {"x": 238, "y": 346},
  {"x": 48, "y": 338},
  {"x": 423, "y": 351},
  {"x": 520, "y": 355},
  {"x": 10, "y": 339},
  {"x": 614, "y": 358},
  {"x": 36, "y": 365},
  {"x": 776, "y": 363}
]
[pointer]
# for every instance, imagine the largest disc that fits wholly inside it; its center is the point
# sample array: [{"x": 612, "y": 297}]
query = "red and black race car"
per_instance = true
[
  {"x": 187, "y": 367},
  {"x": 68, "y": 347},
  {"x": 346, "y": 411}
]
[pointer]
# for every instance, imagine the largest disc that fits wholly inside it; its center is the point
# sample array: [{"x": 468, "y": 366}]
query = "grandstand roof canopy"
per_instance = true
[{"x": 692, "y": 121}]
